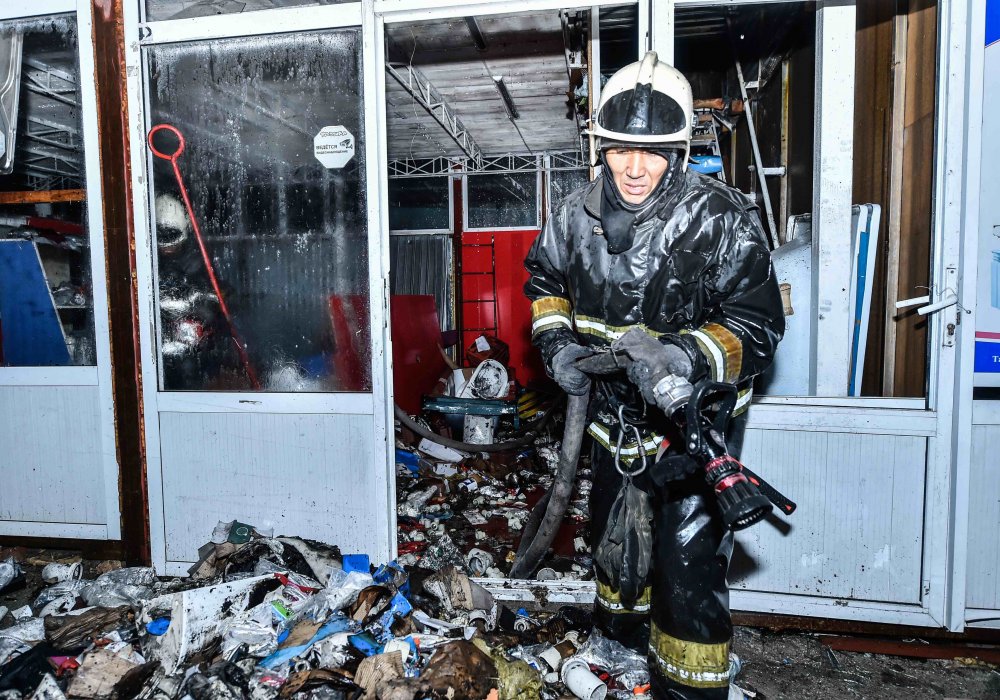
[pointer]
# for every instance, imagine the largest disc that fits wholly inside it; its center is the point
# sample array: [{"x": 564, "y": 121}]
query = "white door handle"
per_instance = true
[{"x": 947, "y": 301}]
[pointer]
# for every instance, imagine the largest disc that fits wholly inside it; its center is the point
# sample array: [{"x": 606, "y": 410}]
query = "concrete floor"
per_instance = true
[{"x": 793, "y": 666}]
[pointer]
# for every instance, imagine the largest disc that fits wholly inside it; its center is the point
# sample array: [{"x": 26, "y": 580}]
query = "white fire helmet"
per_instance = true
[
  {"x": 646, "y": 104},
  {"x": 172, "y": 223}
]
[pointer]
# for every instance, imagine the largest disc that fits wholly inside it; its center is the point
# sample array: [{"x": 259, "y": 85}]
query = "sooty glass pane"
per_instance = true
[
  {"x": 273, "y": 294},
  {"x": 419, "y": 203},
  {"x": 46, "y": 286},
  {"x": 503, "y": 200}
]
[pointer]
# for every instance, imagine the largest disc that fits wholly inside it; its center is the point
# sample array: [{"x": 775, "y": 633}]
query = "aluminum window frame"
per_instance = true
[
  {"x": 281, "y": 21},
  {"x": 427, "y": 231},
  {"x": 501, "y": 229},
  {"x": 548, "y": 170}
]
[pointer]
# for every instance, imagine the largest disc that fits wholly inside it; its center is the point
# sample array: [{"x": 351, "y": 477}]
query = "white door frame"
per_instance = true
[
  {"x": 931, "y": 418},
  {"x": 264, "y": 22},
  {"x": 962, "y": 29},
  {"x": 100, "y": 374}
]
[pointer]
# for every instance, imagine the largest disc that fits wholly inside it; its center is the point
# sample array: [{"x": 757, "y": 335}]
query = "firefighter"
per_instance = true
[{"x": 671, "y": 269}]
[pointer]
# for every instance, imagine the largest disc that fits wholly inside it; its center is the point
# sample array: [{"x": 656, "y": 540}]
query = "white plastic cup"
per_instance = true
[
  {"x": 581, "y": 682},
  {"x": 552, "y": 657},
  {"x": 557, "y": 653}
]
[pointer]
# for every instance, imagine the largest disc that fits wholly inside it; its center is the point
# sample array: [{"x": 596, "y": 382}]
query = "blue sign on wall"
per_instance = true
[
  {"x": 987, "y": 356},
  {"x": 992, "y": 21}
]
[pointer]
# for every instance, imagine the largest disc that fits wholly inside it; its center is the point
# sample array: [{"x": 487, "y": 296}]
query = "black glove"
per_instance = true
[
  {"x": 651, "y": 361},
  {"x": 564, "y": 371}
]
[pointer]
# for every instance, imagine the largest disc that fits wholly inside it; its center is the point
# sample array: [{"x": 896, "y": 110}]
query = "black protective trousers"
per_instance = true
[{"x": 682, "y": 620}]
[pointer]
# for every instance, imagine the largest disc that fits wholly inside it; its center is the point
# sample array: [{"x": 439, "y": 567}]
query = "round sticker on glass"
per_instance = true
[{"x": 333, "y": 146}]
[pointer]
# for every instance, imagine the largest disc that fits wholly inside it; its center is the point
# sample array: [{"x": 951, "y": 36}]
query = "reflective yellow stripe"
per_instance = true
[
  {"x": 611, "y": 600},
  {"x": 732, "y": 349},
  {"x": 692, "y": 664},
  {"x": 602, "y": 435},
  {"x": 711, "y": 352},
  {"x": 548, "y": 313},
  {"x": 722, "y": 349},
  {"x": 588, "y": 325},
  {"x": 743, "y": 401}
]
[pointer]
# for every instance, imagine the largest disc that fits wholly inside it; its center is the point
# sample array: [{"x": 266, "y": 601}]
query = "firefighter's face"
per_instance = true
[{"x": 636, "y": 172}]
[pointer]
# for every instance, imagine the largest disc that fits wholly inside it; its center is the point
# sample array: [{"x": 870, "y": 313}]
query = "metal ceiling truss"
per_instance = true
[
  {"x": 421, "y": 89},
  {"x": 51, "y": 133},
  {"x": 51, "y": 82},
  {"x": 424, "y": 167},
  {"x": 567, "y": 160},
  {"x": 506, "y": 163}
]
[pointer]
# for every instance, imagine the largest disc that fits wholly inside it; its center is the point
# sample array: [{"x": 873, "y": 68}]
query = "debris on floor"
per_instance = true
[
  {"x": 267, "y": 617},
  {"x": 467, "y": 507},
  {"x": 263, "y": 617}
]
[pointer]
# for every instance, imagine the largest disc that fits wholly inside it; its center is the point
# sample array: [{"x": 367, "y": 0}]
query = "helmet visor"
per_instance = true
[{"x": 642, "y": 111}]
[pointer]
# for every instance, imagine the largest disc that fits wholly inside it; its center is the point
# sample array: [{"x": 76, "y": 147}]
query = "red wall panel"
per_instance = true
[{"x": 513, "y": 308}]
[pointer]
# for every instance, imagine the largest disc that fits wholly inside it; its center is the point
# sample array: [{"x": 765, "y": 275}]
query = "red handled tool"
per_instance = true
[{"x": 173, "y": 157}]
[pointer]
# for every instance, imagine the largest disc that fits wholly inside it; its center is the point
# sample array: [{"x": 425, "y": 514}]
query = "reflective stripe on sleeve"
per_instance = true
[
  {"x": 596, "y": 327},
  {"x": 743, "y": 401},
  {"x": 548, "y": 313},
  {"x": 602, "y": 435},
  {"x": 722, "y": 349}
]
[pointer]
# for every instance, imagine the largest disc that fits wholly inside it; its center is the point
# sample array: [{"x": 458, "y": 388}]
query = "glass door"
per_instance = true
[{"x": 262, "y": 282}]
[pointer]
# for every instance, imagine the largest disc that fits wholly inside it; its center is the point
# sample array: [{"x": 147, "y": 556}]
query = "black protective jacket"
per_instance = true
[{"x": 698, "y": 274}]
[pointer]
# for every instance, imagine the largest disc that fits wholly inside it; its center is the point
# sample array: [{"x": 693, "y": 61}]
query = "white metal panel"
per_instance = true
[
  {"x": 858, "y": 531},
  {"x": 841, "y": 419},
  {"x": 422, "y": 11},
  {"x": 381, "y": 525},
  {"x": 833, "y": 177},
  {"x": 302, "y": 474},
  {"x": 68, "y": 531},
  {"x": 982, "y": 582},
  {"x": 49, "y": 376},
  {"x": 275, "y": 21},
  {"x": 263, "y": 402},
  {"x": 51, "y": 459}
]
